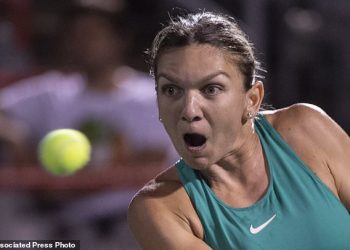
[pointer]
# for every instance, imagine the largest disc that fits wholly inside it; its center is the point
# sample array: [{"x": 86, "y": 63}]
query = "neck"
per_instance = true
[{"x": 241, "y": 174}]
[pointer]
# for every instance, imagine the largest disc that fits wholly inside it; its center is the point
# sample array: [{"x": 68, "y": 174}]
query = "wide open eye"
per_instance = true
[
  {"x": 194, "y": 140},
  {"x": 171, "y": 90},
  {"x": 212, "y": 89}
]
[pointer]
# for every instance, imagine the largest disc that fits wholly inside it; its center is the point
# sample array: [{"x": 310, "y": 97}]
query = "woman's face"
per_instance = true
[{"x": 201, "y": 102}]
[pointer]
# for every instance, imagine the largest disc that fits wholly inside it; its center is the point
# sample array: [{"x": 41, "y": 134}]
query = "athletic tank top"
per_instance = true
[{"x": 298, "y": 211}]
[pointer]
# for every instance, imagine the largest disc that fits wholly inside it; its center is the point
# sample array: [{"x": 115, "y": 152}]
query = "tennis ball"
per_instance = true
[{"x": 64, "y": 151}]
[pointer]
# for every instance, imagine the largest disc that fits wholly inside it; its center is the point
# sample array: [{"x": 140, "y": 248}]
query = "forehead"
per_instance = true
[{"x": 195, "y": 61}]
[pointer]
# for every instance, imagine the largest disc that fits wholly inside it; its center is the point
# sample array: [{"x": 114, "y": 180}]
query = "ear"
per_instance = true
[{"x": 254, "y": 98}]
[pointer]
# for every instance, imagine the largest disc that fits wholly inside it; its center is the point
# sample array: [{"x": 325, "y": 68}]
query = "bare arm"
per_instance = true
[
  {"x": 157, "y": 224},
  {"x": 337, "y": 144}
]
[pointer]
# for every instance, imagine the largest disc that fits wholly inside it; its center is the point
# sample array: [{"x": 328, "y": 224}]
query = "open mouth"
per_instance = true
[{"x": 194, "y": 140}]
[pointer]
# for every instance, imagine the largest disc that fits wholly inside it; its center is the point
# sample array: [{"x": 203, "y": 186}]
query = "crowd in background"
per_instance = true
[{"x": 81, "y": 64}]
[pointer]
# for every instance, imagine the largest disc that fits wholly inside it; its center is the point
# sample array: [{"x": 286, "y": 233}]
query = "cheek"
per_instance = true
[
  {"x": 163, "y": 109},
  {"x": 225, "y": 134},
  {"x": 170, "y": 126},
  {"x": 230, "y": 108},
  {"x": 227, "y": 119},
  {"x": 166, "y": 114}
]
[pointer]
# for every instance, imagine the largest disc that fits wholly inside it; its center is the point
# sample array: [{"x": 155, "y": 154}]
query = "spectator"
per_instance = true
[{"x": 93, "y": 91}]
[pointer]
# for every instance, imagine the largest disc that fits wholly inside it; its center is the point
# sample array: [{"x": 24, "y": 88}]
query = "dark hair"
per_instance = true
[{"x": 207, "y": 28}]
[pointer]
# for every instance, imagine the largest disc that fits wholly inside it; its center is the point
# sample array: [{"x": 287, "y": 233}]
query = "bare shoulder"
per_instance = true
[
  {"x": 319, "y": 141},
  {"x": 300, "y": 125},
  {"x": 159, "y": 192},
  {"x": 300, "y": 114},
  {"x": 161, "y": 188},
  {"x": 161, "y": 213},
  {"x": 302, "y": 122}
]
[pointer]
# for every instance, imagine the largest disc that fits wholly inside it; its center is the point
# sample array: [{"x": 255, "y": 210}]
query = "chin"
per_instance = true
[{"x": 198, "y": 163}]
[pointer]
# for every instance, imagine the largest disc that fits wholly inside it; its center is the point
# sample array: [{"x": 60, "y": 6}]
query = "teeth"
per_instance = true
[{"x": 194, "y": 140}]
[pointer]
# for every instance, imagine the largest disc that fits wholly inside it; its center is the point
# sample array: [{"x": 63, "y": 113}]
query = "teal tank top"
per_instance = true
[{"x": 298, "y": 211}]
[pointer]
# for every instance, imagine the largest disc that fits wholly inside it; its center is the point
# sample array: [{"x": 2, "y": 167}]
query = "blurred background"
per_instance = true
[{"x": 81, "y": 64}]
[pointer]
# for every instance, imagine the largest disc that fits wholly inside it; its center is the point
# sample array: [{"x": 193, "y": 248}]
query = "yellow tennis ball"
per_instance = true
[{"x": 64, "y": 151}]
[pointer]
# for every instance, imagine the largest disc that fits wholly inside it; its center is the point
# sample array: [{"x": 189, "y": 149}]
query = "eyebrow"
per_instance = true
[{"x": 206, "y": 78}]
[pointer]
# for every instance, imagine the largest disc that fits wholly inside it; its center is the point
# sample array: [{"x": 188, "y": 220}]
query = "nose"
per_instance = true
[{"x": 191, "y": 111}]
